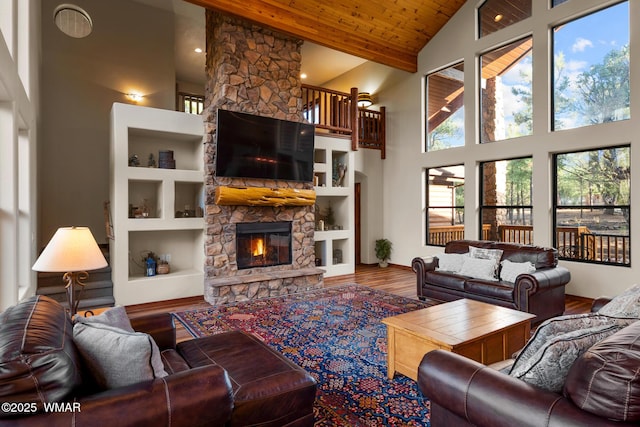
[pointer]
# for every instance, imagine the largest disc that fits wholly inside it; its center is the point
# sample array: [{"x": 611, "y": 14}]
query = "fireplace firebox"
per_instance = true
[{"x": 263, "y": 244}]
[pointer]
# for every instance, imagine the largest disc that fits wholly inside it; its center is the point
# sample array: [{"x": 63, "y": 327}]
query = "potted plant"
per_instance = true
[{"x": 383, "y": 251}]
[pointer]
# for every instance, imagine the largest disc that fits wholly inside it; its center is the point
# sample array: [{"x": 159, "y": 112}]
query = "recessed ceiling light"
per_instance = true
[
  {"x": 197, "y": 50},
  {"x": 73, "y": 20},
  {"x": 498, "y": 17},
  {"x": 303, "y": 75}
]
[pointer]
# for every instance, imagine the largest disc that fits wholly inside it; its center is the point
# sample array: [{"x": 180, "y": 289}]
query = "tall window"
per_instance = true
[
  {"x": 445, "y": 108},
  {"x": 592, "y": 204},
  {"x": 591, "y": 69},
  {"x": 506, "y": 200},
  {"x": 507, "y": 99},
  {"x": 445, "y": 204},
  {"x": 496, "y": 14}
]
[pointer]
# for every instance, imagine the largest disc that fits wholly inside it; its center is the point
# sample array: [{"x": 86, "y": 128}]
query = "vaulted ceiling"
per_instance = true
[{"x": 390, "y": 32}]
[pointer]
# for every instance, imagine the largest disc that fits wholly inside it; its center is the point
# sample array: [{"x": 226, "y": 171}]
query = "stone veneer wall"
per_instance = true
[{"x": 254, "y": 70}]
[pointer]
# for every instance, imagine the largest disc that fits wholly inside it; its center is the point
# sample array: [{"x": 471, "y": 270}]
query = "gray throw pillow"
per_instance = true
[
  {"x": 116, "y": 357},
  {"x": 114, "y": 316},
  {"x": 549, "y": 366},
  {"x": 627, "y": 304}
]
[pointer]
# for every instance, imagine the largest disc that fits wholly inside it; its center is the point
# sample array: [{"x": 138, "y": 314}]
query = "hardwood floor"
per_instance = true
[{"x": 397, "y": 280}]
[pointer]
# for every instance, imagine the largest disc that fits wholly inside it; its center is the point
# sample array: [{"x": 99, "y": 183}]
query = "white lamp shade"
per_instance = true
[{"x": 71, "y": 249}]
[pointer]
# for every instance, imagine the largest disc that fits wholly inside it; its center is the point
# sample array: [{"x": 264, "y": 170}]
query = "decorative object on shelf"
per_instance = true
[
  {"x": 72, "y": 251},
  {"x": 339, "y": 171},
  {"x": 329, "y": 216},
  {"x": 383, "y": 251},
  {"x": 134, "y": 161},
  {"x": 321, "y": 225},
  {"x": 166, "y": 160},
  {"x": 145, "y": 209},
  {"x": 152, "y": 161},
  {"x": 337, "y": 256},
  {"x": 318, "y": 262},
  {"x": 364, "y": 99},
  {"x": 150, "y": 262},
  {"x": 163, "y": 267}
]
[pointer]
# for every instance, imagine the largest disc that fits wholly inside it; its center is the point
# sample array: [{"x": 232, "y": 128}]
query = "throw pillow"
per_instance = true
[
  {"x": 560, "y": 325},
  {"x": 116, "y": 357},
  {"x": 549, "y": 366},
  {"x": 114, "y": 316},
  {"x": 627, "y": 304},
  {"x": 492, "y": 254},
  {"x": 450, "y": 262},
  {"x": 511, "y": 270},
  {"x": 479, "y": 269}
]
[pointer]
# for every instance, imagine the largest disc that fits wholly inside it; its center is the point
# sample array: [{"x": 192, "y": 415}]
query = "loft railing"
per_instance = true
[{"x": 337, "y": 114}]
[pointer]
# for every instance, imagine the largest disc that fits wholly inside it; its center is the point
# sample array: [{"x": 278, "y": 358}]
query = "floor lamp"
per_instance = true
[{"x": 72, "y": 251}]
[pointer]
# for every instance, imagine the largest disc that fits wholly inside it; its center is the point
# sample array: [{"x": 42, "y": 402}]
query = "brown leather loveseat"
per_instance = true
[
  {"x": 539, "y": 292},
  {"x": 602, "y": 388},
  {"x": 230, "y": 379}
]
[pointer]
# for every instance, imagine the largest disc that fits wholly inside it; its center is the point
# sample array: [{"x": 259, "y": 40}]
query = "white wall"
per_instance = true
[
  {"x": 403, "y": 199},
  {"x": 130, "y": 49}
]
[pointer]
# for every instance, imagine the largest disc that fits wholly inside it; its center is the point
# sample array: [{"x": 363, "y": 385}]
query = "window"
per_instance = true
[
  {"x": 445, "y": 204},
  {"x": 592, "y": 205},
  {"x": 494, "y": 15},
  {"x": 506, "y": 200},
  {"x": 555, "y": 3},
  {"x": 193, "y": 104},
  {"x": 445, "y": 108},
  {"x": 506, "y": 92},
  {"x": 591, "y": 69}
]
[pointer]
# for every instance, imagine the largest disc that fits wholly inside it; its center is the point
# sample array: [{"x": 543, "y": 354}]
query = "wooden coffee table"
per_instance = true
[{"x": 480, "y": 331}]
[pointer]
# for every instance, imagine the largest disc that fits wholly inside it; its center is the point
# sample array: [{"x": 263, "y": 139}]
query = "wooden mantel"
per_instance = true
[{"x": 263, "y": 196}]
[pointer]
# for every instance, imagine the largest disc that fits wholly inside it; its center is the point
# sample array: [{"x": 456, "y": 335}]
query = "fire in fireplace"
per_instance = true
[{"x": 263, "y": 244}]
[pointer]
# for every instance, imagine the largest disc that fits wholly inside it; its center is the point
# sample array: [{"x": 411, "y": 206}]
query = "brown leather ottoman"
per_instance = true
[{"x": 269, "y": 390}]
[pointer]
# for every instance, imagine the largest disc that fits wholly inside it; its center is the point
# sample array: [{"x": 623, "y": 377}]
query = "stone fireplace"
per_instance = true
[{"x": 253, "y": 70}]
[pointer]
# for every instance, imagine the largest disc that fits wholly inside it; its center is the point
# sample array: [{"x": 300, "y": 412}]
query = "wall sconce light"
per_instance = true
[
  {"x": 364, "y": 99},
  {"x": 135, "y": 97}
]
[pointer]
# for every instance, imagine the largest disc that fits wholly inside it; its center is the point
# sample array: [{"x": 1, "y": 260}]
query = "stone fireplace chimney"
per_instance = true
[{"x": 254, "y": 70}]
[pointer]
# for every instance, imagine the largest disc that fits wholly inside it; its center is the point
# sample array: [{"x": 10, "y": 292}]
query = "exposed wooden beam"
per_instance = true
[{"x": 321, "y": 30}]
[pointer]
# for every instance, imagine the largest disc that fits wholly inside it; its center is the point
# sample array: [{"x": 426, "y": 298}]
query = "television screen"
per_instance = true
[{"x": 250, "y": 146}]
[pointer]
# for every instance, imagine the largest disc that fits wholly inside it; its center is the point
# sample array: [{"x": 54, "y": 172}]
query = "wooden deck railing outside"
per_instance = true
[
  {"x": 337, "y": 114},
  {"x": 577, "y": 243}
]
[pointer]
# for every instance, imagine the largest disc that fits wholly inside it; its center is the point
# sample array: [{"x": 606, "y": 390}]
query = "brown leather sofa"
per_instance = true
[
  {"x": 602, "y": 389},
  {"x": 230, "y": 379},
  {"x": 540, "y": 292}
]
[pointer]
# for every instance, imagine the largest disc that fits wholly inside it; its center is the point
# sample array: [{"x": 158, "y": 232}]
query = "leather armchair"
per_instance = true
[{"x": 168, "y": 401}]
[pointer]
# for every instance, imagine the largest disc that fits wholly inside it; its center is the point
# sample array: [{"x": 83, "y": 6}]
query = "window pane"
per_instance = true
[
  {"x": 506, "y": 200},
  {"x": 593, "y": 205},
  {"x": 555, "y": 3},
  {"x": 591, "y": 69},
  {"x": 445, "y": 108},
  {"x": 494, "y": 15},
  {"x": 506, "y": 110},
  {"x": 445, "y": 204}
]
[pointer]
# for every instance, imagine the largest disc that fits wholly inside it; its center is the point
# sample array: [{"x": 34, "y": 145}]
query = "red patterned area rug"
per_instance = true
[{"x": 335, "y": 334}]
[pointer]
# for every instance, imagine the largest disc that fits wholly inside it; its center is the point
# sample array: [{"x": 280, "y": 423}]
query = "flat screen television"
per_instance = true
[{"x": 250, "y": 146}]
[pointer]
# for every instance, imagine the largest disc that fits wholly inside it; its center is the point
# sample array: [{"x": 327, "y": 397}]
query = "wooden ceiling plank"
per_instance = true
[{"x": 384, "y": 31}]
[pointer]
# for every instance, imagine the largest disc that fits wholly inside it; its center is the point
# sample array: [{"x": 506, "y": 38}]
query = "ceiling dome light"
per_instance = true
[
  {"x": 197, "y": 50},
  {"x": 303, "y": 75},
  {"x": 364, "y": 99},
  {"x": 498, "y": 18},
  {"x": 73, "y": 20}
]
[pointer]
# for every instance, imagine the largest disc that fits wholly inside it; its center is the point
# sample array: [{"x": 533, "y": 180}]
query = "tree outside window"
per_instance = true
[
  {"x": 506, "y": 200},
  {"x": 445, "y": 108},
  {"x": 445, "y": 204},
  {"x": 506, "y": 92},
  {"x": 592, "y": 205},
  {"x": 591, "y": 69}
]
